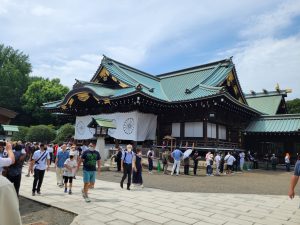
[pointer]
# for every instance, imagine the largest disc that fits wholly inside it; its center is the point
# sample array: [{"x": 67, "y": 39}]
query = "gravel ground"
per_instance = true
[
  {"x": 265, "y": 182},
  {"x": 39, "y": 214}
]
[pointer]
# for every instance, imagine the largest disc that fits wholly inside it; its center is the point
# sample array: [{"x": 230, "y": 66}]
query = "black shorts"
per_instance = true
[
  {"x": 70, "y": 179},
  {"x": 229, "y": 167}
]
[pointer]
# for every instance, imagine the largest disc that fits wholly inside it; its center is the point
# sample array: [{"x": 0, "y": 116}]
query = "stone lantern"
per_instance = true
[{"x": 101, "y": 127}]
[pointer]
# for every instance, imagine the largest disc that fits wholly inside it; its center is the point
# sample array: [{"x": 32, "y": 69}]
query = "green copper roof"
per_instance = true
[
  {"x": 266, "y": 102},
  {"x": 274, "y": 124},
  {"x": 268, "y": 105},
  {"x": 102, "y": 123},
  {"x": 12, "y": 128}
]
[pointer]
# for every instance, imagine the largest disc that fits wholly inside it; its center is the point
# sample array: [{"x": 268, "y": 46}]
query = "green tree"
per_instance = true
[
  {"x": 41, "y": 133},
  {"x": 40, "y": 91},
  {"x": 65, "y": 132},
  {"x": 21, "y": 135},
  {"x": 293, "y": 106},
  {"x": 14, "y": 73}
]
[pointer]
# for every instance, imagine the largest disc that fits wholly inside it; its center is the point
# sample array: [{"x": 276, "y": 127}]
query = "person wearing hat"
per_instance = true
[
  {"x": 90, "y": 158},
  {"x": 126, "y": 166},
  {"x": 69, "y": 171}
]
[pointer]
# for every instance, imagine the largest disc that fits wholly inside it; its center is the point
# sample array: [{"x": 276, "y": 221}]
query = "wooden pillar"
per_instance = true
[
  {"x": 205, "y": 131},
  {"x": 217, "y": 134}
]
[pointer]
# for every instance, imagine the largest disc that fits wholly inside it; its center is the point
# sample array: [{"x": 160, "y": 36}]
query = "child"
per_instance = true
[{"x": 69, "y": 172}]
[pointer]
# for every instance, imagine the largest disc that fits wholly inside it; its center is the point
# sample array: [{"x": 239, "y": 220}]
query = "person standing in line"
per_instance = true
[
  {"x": 222, "y": 162},
  {"x": 14, "y": 174},
  {"x": 69, "y": 172},
  {"x": 39, "y": 163},
  {"x": 209, "y": 164},
  {"x": 165, "y": 161},
  {"x": 186, "y": 165},
  {"x": 196, "y": 158},
  {"x": 126, "y": 166},
  {"x": 294, "y": 179},
  {"x": 10, "y": 159},
  {"x": 274, "y": 162},
  {"x": 137, "y": 178},
  {"x": 61, "y": 157},
  {"x": 150, "y": 156},
  {"x": 50, "y": 150},
  {"x": 90, "y": 158},
  {"x": 242, "y": 160},
  {"x": 230, "y": 160},
  {"x": 176, "y": 155},
  {"x": 287, "y": 162},
  {"x": 119, "y": 158},
  {"x": 218, "y": 160}
]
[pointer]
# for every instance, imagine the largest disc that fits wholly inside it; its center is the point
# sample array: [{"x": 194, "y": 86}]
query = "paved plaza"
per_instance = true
[{"x": 111, "y": 205}]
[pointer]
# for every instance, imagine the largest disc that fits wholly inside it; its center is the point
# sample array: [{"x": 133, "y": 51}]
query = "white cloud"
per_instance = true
[
  {"x": 82, "y": 68},
  {"x": 42, "y": 11},
  {"x": 266, "y": 62},
  {"x": 272, "y": 22}
]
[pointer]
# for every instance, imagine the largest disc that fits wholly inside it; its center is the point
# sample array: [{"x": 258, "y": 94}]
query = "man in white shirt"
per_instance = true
[
  {"x": 230, "y": 160},
  {"x": 40, "y": 162}
]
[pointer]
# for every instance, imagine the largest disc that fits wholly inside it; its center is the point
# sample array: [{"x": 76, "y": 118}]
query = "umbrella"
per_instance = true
[{"x": 187, "y": 153}]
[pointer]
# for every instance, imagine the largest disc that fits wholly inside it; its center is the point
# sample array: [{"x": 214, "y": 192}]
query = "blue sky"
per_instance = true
[{"x": 67, "y": 39}]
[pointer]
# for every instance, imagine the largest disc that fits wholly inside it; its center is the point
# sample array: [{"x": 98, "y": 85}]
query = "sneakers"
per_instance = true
[
  {"x": 87, "y": 199},
  {"x": 33, "y": 193},
  {"x": 66, "y": 190},
  {"x": 38, "y": 192},
  {"x": 70, "y": 192}
]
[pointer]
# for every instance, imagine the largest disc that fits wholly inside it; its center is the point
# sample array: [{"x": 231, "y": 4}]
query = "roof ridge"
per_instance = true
[
  {"x": 268, "y": 94},
  {"x": 133, "y": 69},
  {"x": 211, "y": 64},
  {"x": 280, "y": 116}
]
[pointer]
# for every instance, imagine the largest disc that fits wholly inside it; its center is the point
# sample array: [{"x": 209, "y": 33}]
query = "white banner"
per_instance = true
[{"x": 133, "y": 126}]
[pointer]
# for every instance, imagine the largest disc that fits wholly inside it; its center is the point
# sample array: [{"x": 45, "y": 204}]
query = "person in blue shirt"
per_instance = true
[
  {"x": 61, "y": 157},
  {"x": 176, "y": 155},
  {"x": 126, "y": 166},
  {"x": 295, "y": 178}
]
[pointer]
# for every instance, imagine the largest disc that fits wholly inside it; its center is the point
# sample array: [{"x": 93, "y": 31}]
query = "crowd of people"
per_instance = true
[{"x": 68, "y": 158}]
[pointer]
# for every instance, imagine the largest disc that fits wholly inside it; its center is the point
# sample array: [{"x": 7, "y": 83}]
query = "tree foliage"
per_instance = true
[
  {"x": 21, "y": 135},
  {"x": 293, "y": 106},
  {"x": 64, "y": 133},
  {"x": 14, "y": 73},
  {"x": 40, "y": 91},
  {"x": 41, "y": 133}
]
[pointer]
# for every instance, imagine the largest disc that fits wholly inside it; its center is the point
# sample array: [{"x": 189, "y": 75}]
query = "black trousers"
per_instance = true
[
  {"x": 127, "y": 173},
  {"x": 186, "y": 169},
  {"x": 150, "y": 164},
  {"x": 195, "y": 168},
  {"x": 119, "y": 165},
  {"x": 16, "y": 180},
  {"x": 38, "y": 180}
]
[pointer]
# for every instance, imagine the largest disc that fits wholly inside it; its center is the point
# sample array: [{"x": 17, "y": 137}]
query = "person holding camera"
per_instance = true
[
  {"x": 39, "y": 163},
  {"x": 7, "y": 157}
]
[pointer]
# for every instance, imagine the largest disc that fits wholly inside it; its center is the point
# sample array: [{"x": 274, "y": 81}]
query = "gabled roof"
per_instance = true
[
  {"x": 266, "y": 102},
  {"x": 285, "y": 123},
  {"x": 8, "y": 113}
]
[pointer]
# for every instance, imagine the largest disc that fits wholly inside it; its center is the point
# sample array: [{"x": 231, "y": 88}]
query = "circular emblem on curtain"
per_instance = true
[
  {"x": 80, "y": 128},
  {"x": 128, "y": 126}
]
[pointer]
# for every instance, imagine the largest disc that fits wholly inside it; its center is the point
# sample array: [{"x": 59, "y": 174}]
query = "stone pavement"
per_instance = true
[{"x": 111, "y": 205}]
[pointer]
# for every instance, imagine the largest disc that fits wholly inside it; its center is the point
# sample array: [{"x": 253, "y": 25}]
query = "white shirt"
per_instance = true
[
  {"x": 42, "y": 163},
  {"x": 76, "y": 154},
  {"x": 218, "y": 159},
  {"x": 9, "y": 203},
  {"x": 50, "y": 149},
  {"x": 230, "y": 159},
  {"x": 242, "y": 155},
  {"x": 4, "y": 162},
  {"x": 73, "y": 165}
]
